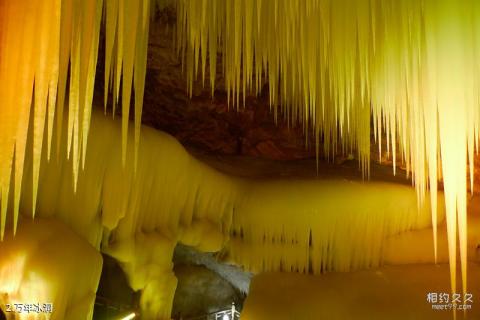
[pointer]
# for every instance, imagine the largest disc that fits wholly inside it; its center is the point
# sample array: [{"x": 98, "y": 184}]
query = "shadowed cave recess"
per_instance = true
[{"x": 239, "y": 160}]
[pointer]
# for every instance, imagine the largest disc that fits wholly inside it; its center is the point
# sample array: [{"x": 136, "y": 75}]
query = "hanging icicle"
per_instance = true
[
  {"x": 333, "y": 65},
  {"x": 43, "y": 46}
]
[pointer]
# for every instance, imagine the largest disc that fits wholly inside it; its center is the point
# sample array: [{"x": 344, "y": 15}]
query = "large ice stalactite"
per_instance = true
[
  {"x": 43, "y": 46},
  {"x": 47, "y": 266},
  {"x": 137, "y": 214}
]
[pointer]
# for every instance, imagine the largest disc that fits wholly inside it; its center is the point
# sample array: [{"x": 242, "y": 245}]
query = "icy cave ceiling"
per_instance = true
[
  {"x": 203, "y": 123},
  {"x": 225, "y": 136}
]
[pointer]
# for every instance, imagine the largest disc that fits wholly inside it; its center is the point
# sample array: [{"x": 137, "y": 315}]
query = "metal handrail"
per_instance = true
[
  {"x": 214, "y": 315},
  {"x": 103, "y": 301}
]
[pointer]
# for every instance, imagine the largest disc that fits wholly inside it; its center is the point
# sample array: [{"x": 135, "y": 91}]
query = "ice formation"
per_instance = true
[
  {"x": 41, "y": 42},
  {"x": 48, "y": 269},
  {"x": 334, "y": 65},
  {"x": 322, "y": 225},
  {"x": 410, "y": 65},
  {"x": 137, "y": 214}
]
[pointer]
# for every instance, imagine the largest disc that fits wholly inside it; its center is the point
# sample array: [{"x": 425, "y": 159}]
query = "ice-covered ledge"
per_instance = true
[{"x": 138, "y": 216}]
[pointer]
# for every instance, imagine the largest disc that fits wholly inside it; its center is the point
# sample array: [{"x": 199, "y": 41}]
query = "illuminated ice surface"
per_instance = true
[
  {"x": 409, "y": 65},
  {"x": 46, "y": 263},
  {"x": 138, "y": 214}
]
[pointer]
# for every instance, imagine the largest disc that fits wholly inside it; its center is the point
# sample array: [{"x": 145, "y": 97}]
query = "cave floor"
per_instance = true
[{"x": 390, "y": 292}]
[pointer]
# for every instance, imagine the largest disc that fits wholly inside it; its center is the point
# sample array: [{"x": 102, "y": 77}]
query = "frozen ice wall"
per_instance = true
[
  {"x": 322, "y": 225},
  {"x": 138, "y": 214}
]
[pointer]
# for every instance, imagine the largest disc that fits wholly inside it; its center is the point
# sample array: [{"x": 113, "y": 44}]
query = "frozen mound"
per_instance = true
[{"x": 47, "y": 271}]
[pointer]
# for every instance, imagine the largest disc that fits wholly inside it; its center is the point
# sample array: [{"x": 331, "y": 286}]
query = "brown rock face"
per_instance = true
[
  {"x": 206, "y": 124},
  {"x": 201, "y": 291}
]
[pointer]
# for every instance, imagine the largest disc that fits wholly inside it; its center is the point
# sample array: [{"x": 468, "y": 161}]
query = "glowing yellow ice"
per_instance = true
[
  {"x": 41, "y": 43},
  {"x": 333, "y": 65},
  {"x": 136, "y": 214},
  {"x": 38, "y": 269},
  {"x": 315, "y": 226},
  {"x": 139, "y": 217},
  {"x": 295, "y": 225},
  {"x": 28, "y": 63}
]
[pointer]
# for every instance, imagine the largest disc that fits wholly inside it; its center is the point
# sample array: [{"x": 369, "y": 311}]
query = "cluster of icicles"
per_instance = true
[
  {"x": 43, "y": 46},
  {"x": 138, "y": 214},
  {"x": 331, "y": 65},
  {"x": 411, "y": 66}
]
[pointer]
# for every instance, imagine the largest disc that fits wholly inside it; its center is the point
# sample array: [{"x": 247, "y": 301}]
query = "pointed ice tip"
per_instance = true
[
  {"x": 15, "y": 224},
  {"x": 33, "y": 209}
]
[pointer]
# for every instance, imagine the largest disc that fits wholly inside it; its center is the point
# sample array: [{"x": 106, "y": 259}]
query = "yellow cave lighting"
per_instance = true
[
  {"x": 129, "y": 316},
  {"x": 36, "y": 271},
  {"x": 294, "y": 225},
  {"x": 43, "y": 46},
  {"x": 411, "y": 66},
  {"x": 332, "y": 65},
  {"x": 129, "y": 214},
  {"x": 308, "y": 227}
]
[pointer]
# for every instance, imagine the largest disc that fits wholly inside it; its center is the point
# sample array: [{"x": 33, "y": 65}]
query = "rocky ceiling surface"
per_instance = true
[
  {"x": 208, "y": 127},
  {"x": 206, "y": 123}
]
